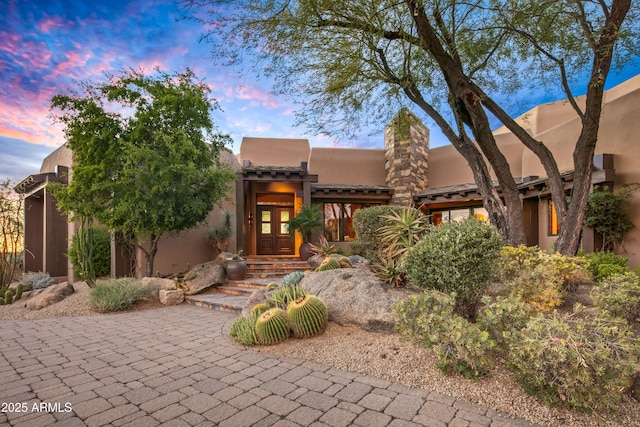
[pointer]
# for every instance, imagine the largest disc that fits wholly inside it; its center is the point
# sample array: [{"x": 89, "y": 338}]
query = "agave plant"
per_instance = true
[
  {"x": 388, "y": 270},
  {"x": 403, "y": 230},
  {"x": 323, "y": 248}
]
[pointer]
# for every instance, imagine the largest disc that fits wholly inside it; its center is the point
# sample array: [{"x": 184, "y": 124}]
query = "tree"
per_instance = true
[
  {"x": 146, "y": 155},
  {"x": 359, "y": 60},
  {"x": 11, "y": 232}
]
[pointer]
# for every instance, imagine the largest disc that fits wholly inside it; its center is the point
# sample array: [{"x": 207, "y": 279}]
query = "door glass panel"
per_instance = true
[
  {"x": 284, "y": 216},
  {"x": 266, "y": 216},
  {"x": 284, "y": 229},
  {"x": 266, "y": 228}
]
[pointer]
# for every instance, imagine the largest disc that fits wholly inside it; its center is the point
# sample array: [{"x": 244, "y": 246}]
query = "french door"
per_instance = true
[{"x": 272, "y": 234}]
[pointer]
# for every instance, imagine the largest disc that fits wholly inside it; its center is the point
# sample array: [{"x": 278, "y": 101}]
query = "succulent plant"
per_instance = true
[
  {"x": 273, "y": 285},
  {"x": 282, "y": 296},
  {"x": 329, "y": 263},
  {"x": 272, "y": 326},
  {"x": 8, "y": 296},
  {"x": 307, "y": 315},
  {"x": 260, "y": 308},
  {"x": 292, "y": 279},
  {"x": 19, "y": 290},
  {"x": 243, "y": 329},
  {"x": 344, "y": 262}
]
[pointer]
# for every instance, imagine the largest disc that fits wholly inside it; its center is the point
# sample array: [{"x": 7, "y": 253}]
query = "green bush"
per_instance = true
[
  {"x": 619, "y": 295},
  {"x": 603, "y": 264},
  {"x": 577, "y": 362},
  {"x": 461, "y": 257},
  {"x": 116, "y": 295},
  {"x": 36, "y": 280},
  {"x": 366, "y": 223},
  {"x": 460, "y": 346},
  {"x": 101, "y": 253},
  {"x": 503, "y": 318}
]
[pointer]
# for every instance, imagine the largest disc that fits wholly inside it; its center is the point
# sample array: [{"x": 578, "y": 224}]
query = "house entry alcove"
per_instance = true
[{"x": 273, "y": 212}]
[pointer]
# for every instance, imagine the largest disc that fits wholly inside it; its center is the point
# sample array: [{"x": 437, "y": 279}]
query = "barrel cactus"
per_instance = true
[
  {"x": 329, "y": 263},
  {"x": 260, "y": 308},
  {"x": 272, "y": 326},
  {"x": 307, "y": 315},
  {"x": 345, "y": 262}
]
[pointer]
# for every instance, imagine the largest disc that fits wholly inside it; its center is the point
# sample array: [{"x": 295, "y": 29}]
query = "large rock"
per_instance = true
[
  {"x": 49, "y": 296},
  {"x": 257, "y": 297},
  {"x": 204, "y": 276},
  {"x": 171, "y": 297},
  {"x": 356, "y": 296},
  {"x": 158, "y": 283}
]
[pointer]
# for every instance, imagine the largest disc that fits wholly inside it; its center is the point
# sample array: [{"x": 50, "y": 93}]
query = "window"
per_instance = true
[
  {"x": 554, "y": 227},
  {"x": 338, "y": 220},
  {"x": 458, "y": 214}
]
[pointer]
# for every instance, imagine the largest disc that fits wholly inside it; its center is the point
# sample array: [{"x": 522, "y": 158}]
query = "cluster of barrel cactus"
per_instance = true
[
  {"x": 7, "y": 295},
  {"x": 305, "y": 316},
  {"x": 332, "y": 263}
]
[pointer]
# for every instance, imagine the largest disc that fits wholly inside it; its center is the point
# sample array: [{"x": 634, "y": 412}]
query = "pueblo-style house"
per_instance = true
[{"x": 275, "y": 177}]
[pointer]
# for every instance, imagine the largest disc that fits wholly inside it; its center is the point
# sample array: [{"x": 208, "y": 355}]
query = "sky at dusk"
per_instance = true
[{"x": 48, "y": 46}]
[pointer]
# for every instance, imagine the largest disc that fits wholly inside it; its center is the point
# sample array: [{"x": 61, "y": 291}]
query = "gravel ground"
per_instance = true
[{"x": 383, "y": 356}]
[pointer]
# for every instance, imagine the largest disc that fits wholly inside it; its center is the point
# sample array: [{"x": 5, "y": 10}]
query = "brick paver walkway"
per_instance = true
[{"x": 176, "y": 366}]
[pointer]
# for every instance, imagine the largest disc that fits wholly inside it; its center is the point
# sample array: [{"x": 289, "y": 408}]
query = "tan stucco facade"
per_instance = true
[{"x": 277, "y": 174}]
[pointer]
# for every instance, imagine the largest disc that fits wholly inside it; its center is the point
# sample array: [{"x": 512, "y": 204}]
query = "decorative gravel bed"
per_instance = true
[{"x": 383, "y": 356}]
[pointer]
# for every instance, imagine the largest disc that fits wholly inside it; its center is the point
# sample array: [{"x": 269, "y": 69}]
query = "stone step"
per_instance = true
[{"x": 218, "y": 301}]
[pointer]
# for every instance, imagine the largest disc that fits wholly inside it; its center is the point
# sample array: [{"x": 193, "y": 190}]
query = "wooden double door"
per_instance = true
[{"x": 272, "y": 233}]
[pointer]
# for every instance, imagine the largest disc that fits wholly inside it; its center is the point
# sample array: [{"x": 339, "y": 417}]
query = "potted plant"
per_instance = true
[
  {"x": 236, "y": 267},
  {"x": 219, "y": 237},
  {"x": 308, "y": 219}
]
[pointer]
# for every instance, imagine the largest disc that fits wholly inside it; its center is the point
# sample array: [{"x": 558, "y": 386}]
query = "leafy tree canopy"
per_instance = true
[
  {"x": 357, "y": 62},
  {"x": 146, "y": 154}
]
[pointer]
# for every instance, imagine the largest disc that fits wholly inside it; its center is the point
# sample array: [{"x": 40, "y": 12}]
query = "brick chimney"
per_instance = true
[{"x": 406, "y": 144}]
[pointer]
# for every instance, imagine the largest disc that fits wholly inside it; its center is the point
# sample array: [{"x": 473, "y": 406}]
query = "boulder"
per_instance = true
[
  {"x": 356, "y": 296},
  {"x": 49, "y": 296},
  {"x": 171, "y": 297},
  {"x": 315, "y": 261},
  {"x": 204, "y": 276},
  {"x": 158, "y": 282},
  {"x": 358, "y": 261},
  {"x": 257, "y": 297}
]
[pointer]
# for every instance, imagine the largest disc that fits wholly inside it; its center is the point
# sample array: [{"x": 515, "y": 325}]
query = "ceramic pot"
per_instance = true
[{"x": 236, "y": 270}]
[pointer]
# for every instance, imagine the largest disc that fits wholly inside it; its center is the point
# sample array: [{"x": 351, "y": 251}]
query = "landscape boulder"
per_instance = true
[
  {"x": 158, "y": 283},
  {"x": 204, "y": 276},
  {"x": 171, "y": 297},
  {"x": 49, "y": 296},
  {"x": 257, "y": 297},
  {"x": 356, "y": 296}
]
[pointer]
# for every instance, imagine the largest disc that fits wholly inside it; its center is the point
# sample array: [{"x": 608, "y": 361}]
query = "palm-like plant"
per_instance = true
[{"x": 308, "y": 219}]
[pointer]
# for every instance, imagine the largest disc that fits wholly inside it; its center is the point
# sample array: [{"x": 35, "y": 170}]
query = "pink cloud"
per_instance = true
[
  {"x": 45, "y": 25},
  {"x": 257, "y": 96}
]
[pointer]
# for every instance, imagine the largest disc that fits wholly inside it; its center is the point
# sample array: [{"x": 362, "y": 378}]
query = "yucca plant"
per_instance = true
[{"x": 403, "y": 230}]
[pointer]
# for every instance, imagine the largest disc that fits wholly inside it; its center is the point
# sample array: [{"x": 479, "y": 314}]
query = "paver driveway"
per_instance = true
[{"x": 176, "y": 366}]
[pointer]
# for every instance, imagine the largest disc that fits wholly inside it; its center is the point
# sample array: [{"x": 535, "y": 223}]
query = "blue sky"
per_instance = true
[{"x": 47, "y": 46}]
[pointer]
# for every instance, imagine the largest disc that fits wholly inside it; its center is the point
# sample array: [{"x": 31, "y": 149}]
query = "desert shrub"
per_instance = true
[
  {"x": 577, "y": 362},
  {"x": 36, "y": 280},
  {"x": 460, "y": 346},
  {"x": 119, "y": 294},
  {"x": 619, "y": 295},
  {"x": 540, "y": 286},
  {"x": 540, "y": 277},
  {"x": 460, "y": 257},
  {"x": 503, "y": 317},
  {"x": 602, "y": 264},
  {"x": 101, "y": 253},
  {"x": 366, "y": 223}
]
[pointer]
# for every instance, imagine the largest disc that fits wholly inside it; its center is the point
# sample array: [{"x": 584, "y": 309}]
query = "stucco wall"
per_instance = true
[
  {"x": 61, "y": 156},
  {"x": 356, "y": 166},
  {"x": 618, "y": 135},
  {"x": 274, "y": 151}
]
